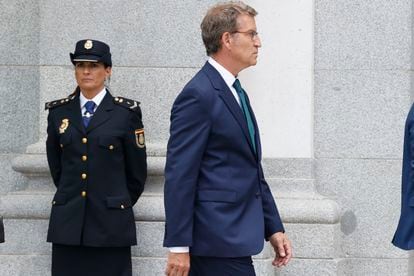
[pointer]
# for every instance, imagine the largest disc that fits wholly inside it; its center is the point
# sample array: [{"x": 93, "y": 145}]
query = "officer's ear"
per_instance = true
[{"x": 108, "y": 71}]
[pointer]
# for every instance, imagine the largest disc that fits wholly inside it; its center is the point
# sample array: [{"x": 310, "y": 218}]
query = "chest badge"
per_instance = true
[
  {"x": 140, "y": 138},
  {"x": 63, "y": 126}
]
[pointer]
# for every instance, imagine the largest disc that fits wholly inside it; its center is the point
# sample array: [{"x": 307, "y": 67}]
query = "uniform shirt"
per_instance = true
[
  {"x": 229, "y": 80},
  {"x": 97, "y": 100}
]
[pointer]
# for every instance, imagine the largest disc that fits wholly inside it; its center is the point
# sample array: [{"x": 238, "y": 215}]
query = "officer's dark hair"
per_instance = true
[
  {"x": 220, "y": 19},
  {"x": 104, "y": 64}
]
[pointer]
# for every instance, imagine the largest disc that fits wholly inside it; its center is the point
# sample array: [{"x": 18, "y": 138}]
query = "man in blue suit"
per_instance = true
[{"x": 219, "y": 208}]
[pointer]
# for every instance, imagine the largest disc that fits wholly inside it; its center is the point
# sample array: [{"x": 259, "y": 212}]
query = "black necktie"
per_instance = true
[{"x": 87, "y": 116}]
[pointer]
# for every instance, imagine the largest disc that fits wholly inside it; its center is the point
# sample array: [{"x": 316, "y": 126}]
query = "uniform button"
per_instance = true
[
  {"x": 83, "y": 194},
  {"x": 53, "y": 202},
  {"x": 83, "y": 176},
  {"x": 61, "y": 145},
  {"x": 84, "y": 157},
  {"x": 122, "y": 206},
  {"x": 84, "y": 140},
  {"x": 111, "y": 147}
]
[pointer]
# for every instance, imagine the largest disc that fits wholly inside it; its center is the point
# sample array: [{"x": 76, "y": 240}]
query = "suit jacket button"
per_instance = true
[
  {"x": 84, "y": 140},
  {"x": 83, "y": 194},
  {"x": 84, "y": 176},
  {"x": 111, "y": 147},
  {"x": 53, "y": 202},
  {"x": 122, "y": 206},
  {"x": 61, "y": 145},
  {"x": 84, "y": 158}
]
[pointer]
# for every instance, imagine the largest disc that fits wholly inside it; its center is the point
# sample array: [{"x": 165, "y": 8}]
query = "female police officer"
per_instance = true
[{"x": 97, "y": 159}]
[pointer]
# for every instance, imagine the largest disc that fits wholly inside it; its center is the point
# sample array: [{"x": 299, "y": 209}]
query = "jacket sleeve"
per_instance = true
[
  {"x": 189, "y": 131},
  {"x": 273, "y": 222},
  {"x": 53, "y": 151},
  {"x": 135, "y": 156}
]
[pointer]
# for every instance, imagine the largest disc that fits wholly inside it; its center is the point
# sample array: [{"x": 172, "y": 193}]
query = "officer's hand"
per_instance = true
[
  {"x": 178, "y": 264},
  {"x": 282, "y": 247}
]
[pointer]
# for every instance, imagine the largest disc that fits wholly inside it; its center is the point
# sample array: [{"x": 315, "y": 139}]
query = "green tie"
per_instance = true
[{"x": 246, "y": 111}]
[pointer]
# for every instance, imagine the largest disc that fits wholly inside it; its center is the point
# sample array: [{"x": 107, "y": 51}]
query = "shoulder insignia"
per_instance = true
[
  {"x": 57, "y": 103},
  {"x": 127, "y": 103},
  {"x": 63, "y": 101}
]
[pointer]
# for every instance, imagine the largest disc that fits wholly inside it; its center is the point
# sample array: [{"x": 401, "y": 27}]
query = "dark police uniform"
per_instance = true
[{"x": 99, "y": 172}]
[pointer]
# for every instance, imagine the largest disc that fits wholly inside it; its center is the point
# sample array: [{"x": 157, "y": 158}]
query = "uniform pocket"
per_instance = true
[
  {"x": 109, "y": 142},
  {"x": 118, "y": 202},
  {"x": 65, "y": 139},
  {"x": 217, "y": 196},
  {"x": 59, "y": 199}
]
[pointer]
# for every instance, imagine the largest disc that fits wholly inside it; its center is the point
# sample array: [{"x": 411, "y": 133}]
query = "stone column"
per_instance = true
[{"x": 363, "y": 52}]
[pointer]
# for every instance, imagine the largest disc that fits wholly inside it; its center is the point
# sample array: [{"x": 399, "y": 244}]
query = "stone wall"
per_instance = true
[
  {"x": 338, "y": 195},
  {"x": 363, "y": 85}
]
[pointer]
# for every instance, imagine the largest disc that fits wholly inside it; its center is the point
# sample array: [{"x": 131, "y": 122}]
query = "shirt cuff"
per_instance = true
[{"x": 179, "y": 249}]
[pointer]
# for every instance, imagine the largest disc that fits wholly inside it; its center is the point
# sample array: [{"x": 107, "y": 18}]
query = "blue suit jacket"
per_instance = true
[
  {"x": 404, "y": 236},
  {"x": 217, "y": 201}
]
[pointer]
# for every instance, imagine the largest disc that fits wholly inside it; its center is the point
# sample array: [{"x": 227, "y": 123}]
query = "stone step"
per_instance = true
[
  {"x": 150, "y": 207},
  {"x": 28, "y": 237}
]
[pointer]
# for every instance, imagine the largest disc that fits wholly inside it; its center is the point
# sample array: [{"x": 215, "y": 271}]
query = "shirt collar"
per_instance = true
[
  {"x": 224, "y": 73},
  {"x": 97, "y": 99}
]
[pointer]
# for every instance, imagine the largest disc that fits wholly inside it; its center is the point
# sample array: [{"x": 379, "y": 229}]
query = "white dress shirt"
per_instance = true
[
  {"x": 226, "y": 75},
  {"x": 97, "y": 100},
  {"x": 229, "y": 80}
]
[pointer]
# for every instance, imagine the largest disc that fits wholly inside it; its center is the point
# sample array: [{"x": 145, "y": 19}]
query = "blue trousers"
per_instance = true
[{"x": 208, "y": 266}]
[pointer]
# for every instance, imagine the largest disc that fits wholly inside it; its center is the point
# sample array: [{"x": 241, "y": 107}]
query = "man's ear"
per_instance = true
[{"x": 226, "y": 40}]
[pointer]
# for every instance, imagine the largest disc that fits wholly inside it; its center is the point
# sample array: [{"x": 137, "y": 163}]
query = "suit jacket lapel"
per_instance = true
[
  {"x": 228, "y": 98},
  {"x": 102, "y": 113}
]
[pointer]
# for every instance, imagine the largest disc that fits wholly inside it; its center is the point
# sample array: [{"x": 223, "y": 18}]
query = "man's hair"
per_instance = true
[{"x": 220, "y": 19}]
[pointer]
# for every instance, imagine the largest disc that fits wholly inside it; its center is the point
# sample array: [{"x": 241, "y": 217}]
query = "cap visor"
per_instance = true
[
  {"x": 89, "y": 58},
  {"x": 81, "y": 59}
]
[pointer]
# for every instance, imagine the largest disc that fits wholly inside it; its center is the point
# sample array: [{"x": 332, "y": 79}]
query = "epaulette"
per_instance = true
[
  {"x": 60, "y": 102},
  {"x": 127, "y": 103}
]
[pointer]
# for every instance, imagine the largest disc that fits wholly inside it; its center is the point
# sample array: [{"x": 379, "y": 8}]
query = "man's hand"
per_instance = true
[
  {"x": 178, "y": 264},
  {"x": 282, "y": 247}
]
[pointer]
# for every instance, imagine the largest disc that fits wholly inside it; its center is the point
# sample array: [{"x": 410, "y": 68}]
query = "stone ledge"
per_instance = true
[
  {"x": 36, "y": 164},
  {"x": 150, "y": 207},
  {"x": 24, "y": 205}
]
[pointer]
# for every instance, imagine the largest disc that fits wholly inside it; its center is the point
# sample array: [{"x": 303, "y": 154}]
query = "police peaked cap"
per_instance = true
[{"x": 93, "y": 51}]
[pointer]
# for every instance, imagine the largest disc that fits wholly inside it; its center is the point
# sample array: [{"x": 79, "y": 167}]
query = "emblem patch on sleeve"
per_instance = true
[
  {"x": 140, "y": 138},
  {"x": 63, "y": 126}
]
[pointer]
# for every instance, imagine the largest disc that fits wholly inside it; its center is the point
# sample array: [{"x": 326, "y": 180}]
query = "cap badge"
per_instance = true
[{"x": 88, "y": 44}]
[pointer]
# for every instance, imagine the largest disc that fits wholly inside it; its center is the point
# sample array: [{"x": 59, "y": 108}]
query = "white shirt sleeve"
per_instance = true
[{"x": 179, "y": 249}]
